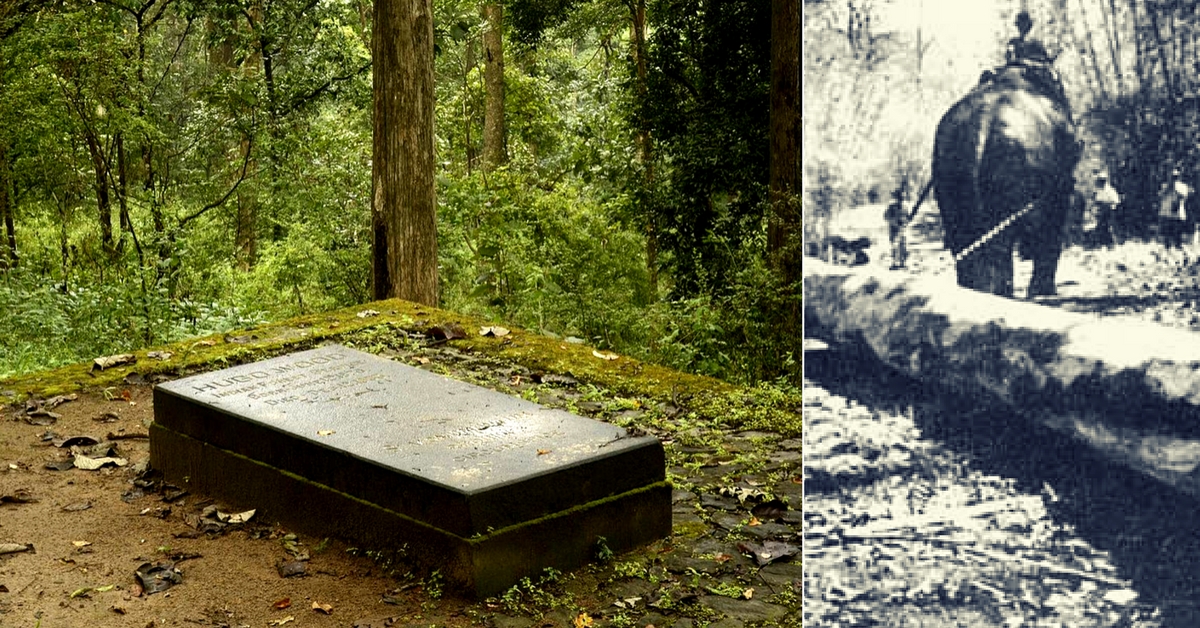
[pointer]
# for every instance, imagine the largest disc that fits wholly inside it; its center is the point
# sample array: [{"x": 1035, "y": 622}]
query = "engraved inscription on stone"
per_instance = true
[
  {"x": 402, "y": 417},
  {"x": 327, "y": 377}
]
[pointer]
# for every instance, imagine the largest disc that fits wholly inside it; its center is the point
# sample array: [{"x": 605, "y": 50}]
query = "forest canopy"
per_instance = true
[{"x": 170, "y": 168}]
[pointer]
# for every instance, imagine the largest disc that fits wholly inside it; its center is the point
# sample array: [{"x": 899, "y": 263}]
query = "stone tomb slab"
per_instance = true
[{"x": 483, "y": 486}]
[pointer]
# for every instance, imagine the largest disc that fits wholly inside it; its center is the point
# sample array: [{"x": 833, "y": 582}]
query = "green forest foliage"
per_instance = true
[{"x": 231, "y": 140}]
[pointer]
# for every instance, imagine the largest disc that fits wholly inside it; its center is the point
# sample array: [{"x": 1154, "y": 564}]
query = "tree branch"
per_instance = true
[
  {"x": 221, "y": 201},
  {"x": 298, "y": 101},
  {"x": 174, "y": 55},
  {"x": 162, "y": 8}
]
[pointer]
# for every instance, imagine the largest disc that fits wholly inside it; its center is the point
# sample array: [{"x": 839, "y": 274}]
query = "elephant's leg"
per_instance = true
[
  {"x": 1045, "y": 267},
  {"x": 1042, "y": 238},
  {"x": 988, "y": 269}
]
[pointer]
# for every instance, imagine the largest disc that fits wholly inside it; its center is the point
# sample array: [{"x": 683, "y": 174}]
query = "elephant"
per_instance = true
[{"x": 1007, "y": 146}]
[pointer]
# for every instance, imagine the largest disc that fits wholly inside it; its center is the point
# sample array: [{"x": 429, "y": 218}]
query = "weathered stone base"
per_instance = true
[{"x": 479, "y": 566}]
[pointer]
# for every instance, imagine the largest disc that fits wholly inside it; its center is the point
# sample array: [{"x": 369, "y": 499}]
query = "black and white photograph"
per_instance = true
[
  {"x": 401, "y": 314},
  {"x": 1001, "y": 313}
]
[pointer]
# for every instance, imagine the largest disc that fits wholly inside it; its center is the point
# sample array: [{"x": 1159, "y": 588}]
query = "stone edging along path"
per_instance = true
[
  {"x": 1129, "y": 389},
  {"x": 733, "y": 454}
]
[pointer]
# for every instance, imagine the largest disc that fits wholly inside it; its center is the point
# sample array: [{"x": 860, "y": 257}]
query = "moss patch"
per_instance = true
[{"x": 380, "y": 324}]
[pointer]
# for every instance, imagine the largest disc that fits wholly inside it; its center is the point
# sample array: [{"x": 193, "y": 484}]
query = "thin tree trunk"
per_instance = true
[
  {"x": 645, "y": 148},
  {"x": 245, "y": 236},
  {"x": 64, "y": 243},
  {"x": 495, "y": 151},
  {"x": 783, "y": 232},
  {"x": 1161, "y": 52},
  {"x": 1095, "y": 57},
  {"x": 9, "y": 260},
  {"x": 103, "y": 201},
  {"x": 1111, "y": 30},
  {"x": 122, "y": 188},
  {"x": 403, "y": 203},
  {"x": 468, "y": 65}
]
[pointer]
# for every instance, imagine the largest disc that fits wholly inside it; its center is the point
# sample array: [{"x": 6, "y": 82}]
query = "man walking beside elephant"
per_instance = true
[{"x": 1105, "y": 203}]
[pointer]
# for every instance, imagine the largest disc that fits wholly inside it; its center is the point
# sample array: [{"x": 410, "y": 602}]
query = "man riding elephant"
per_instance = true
[{"x": 1003, "y": 166}]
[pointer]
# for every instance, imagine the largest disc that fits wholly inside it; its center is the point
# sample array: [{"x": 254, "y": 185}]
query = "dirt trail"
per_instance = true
[{"x": 927, "y": 509}]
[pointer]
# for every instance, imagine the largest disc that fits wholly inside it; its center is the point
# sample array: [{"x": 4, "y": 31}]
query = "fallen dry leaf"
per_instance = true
[
  {"x": 326, "y": 432},
  {"x": 493, "y": 331},
  {"x": 447, "y": 332},
  {"x": 19, "y": 496},
  {"x": 769, "y": 551},
  {"x": 367, "y": 313},
  {"x": 91, "y": 464},
  {"x": 748, "y": 593},
  {"x": 157, "y": 577},
  {"x": 542, "y": 452},
  {"x": 13, "y": 548},
  {"x": 282, "y": 604},
  {"x": 292, "y": 568},
  {"x": 280, "y": 622},
  {"x": 58, "y": 400},
  {"x": 322, "y": 608},
  {"x": 770, "y": 510},
  {"x": 107, "y": 362},
  {"x": 81, "y": 543},
  {"x": 583, "y": 620},
  {"x": 605, "y": 355},
  {"x": 239, "y": 517}
]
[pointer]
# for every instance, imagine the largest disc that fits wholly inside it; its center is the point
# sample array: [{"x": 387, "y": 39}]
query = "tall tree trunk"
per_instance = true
[
  {"x": 122, "y": 190},
  {"x": 1142, "y": 64},
  {"x": 245, "y": 243},
  {"x": 495, "y": 151},
  {"x": 645, "y": 150},
  {"x": 468, "y": 65},
  {"x": 103, "y": 201},
  {"x": 1102, "y": 88},
  {"x": 9, "y": 259},
  {"x": 1113, "y": 33},
  {"x": 403, "y": 204},
  {"x": 64, "y": 243},
  {"x": 783, "y": 234},
  {"x": 1161, "y": 52}
]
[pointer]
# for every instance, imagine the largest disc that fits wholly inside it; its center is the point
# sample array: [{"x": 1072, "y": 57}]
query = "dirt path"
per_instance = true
[
  {"x": 927, "y": 509},
  {"x": 90, "y": 531}
]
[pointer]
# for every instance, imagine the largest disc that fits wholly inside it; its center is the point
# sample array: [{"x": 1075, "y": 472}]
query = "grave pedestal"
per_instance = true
[{"x": 481, "y": 486}]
